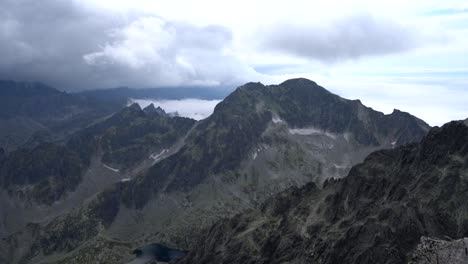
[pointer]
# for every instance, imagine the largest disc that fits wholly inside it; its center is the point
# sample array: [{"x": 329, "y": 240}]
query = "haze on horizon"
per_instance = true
[{"x": 406, "y": 55}]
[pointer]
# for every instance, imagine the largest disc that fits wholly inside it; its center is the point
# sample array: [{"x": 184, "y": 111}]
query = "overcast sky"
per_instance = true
[{"x": 410, "y": 55}]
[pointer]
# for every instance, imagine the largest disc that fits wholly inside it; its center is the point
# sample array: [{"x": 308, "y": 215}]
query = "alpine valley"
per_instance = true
[{"x": 287, "y": 173}]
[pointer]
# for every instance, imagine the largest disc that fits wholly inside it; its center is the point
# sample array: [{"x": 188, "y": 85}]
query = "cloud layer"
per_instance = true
[
  {"x": 351, "y": 37},
  {"x": 73, "y": 45},
  {"x": 193, "y": 108},
  {"x": 70, "y": 46}
]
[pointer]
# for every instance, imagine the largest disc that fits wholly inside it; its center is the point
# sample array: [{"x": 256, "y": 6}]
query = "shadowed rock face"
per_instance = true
[{"x": 375, "y": 215}]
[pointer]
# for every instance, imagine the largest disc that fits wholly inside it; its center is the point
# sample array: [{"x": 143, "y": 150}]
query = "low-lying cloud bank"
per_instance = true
[{"x": 193, "y": 108}]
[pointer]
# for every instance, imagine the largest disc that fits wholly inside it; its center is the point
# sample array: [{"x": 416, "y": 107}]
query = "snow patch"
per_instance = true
[
  {"x": 277, "y": 120},
  {"x": 339, "y": 166},
  {"x": 257, "y": 151},
  {"x": 110, "y": 168},
  {"x": 157, "y": 157},
  {"x": 347, "y": 136},
  {"x": 125, "y": 180},
  {"x": 311, "y": 131}
]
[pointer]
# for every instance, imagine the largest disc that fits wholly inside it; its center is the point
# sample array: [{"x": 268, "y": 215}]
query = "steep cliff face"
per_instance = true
[
  {"x": 377, "y": 214},
  {"x": 258, "y": 142}
]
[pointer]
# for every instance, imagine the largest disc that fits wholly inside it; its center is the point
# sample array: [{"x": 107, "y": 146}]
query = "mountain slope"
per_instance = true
[
  {"x": 255, "y": 115},
  {"x": 39, "y": 183},
  {"x": 375, "y": 215},
  {"x": 259, "y": 141}
]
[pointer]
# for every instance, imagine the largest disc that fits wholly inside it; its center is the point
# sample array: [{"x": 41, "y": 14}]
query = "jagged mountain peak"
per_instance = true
[
  {"x": 151, "y": 109},
  {"x": 303, "y": 103},
  {"x": 396, "y": 113},
  {"x": 135, "y": 107},
  {"x": 129, "y": 112}
]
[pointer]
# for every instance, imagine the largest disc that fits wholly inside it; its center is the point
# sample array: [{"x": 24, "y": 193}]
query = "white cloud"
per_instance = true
[
  {"x": 193, "y": 108},
  {"x": 347, "y": 38},
  {"x": 76, "y": 46}
]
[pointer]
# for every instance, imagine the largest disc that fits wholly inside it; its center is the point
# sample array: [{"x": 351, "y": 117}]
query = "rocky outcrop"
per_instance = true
[
  {"x": 435, "y": 251},
  {"x": 377, "y": 214}
]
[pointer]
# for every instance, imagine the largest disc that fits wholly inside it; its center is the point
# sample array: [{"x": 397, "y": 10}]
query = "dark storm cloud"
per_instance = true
[
  {"x": 349, "y": 38},
  {"x": 45, "y": 40},
  {"x": 70, "y": 46}
]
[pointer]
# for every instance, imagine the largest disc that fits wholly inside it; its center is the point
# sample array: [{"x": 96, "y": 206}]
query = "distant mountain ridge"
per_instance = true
[
  {"x": 162, "y": 93},
  {"x": 25, "y": 89},
  {"x": 30, "y": 107}
]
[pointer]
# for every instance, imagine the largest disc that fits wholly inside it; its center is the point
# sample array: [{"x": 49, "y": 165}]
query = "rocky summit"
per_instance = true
[{"x": 146, "y": 177}]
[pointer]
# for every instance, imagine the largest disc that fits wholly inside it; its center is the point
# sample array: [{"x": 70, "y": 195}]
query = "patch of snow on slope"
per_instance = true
[
  {"x": 110, "y": 168},
  {"x": 339, "y": 166},
  {"x": 156, "y": 157},
  {"x": 276, "y": 120},
  {"x": 347, "y": 136},
  {"x": 311, "y": 131},
  {"x": 257, "y": 151}
]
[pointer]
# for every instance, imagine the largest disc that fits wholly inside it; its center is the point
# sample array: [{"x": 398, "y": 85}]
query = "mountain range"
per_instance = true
[{"x": 293, "y": 158}]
